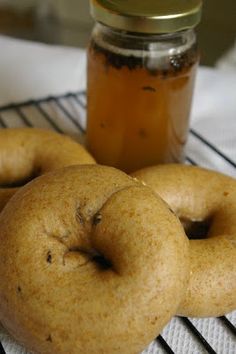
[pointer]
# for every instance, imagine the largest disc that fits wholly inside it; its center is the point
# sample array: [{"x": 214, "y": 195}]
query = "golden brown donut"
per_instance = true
[
  {"x": 205, "y": 201},
  {"x": 29, "y": 152},
  {"x": 90, "y": 262}
]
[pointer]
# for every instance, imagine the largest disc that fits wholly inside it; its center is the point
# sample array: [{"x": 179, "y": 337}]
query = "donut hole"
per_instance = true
[
  {"x": 93, "y": 256},
  {"x": 102, "y": 262},
  {"x": 20, "y": 182},
  {"x": 196, "y": 230}
]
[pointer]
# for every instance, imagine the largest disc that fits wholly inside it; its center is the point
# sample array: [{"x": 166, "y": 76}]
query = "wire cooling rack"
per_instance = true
[{"x": 67, "y": 114}]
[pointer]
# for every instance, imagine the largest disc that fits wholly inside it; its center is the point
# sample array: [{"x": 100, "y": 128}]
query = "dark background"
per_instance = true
[{"x": 67, "y": 22}]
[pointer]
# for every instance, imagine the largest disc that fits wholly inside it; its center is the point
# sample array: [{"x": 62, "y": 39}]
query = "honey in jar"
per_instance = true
[{"x": 141, "y": 74}]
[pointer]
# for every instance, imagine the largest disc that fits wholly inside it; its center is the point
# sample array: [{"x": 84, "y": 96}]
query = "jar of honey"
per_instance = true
[{"x": 142, "y": 61}]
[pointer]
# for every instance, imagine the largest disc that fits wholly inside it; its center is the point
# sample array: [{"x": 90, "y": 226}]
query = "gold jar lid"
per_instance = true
[{"x": 147, "y": 16}]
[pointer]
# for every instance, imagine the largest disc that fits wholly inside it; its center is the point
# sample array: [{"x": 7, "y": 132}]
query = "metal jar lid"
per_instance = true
[{"x": 147, "y": 16}]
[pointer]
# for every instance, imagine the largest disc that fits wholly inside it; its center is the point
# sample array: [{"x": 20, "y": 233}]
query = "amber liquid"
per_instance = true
[{"x": 138, "y": 117}]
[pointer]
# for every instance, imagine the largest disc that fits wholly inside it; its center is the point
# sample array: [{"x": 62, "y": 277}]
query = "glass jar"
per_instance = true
[{"x": 140, "y": 86}]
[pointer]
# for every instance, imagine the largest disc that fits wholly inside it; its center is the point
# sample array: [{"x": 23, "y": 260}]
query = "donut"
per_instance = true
[
  {"x": 29, "y": 152},
  {"x": 205, "y": 202},
  {"x": 90, "y": 262}
]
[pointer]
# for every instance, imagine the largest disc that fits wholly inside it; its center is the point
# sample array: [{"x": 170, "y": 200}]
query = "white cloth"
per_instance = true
[
  {"x": 214, "y": 116},
  {"x": 29, "y": 70}
]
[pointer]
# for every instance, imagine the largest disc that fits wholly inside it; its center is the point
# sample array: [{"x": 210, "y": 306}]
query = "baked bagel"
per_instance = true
[
  {"x": 28, "y": 152},
  {"x": 90, "y": 262},
  {"x": 205, "y": 202}
]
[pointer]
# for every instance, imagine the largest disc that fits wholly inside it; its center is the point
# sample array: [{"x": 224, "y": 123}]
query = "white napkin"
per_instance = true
[
  {"x": 33, "y": 70},
  {"x": 214, "y": 117}
]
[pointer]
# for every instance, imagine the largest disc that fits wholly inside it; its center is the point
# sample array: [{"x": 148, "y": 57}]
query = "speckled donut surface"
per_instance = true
[
  {"x": 90, "y": 262},
  {"x": 29, "y": 152},
  {"x": 200, "y": 196}
]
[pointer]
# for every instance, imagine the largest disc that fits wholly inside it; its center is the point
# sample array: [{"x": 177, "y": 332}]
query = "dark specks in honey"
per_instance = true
[
  {"x": 49, "y": 338},
  {"x": 226, "y": 194},
  {"x": 102, "y": 125},
  {"x": 49, "y": 257},
  {"x": 176, "y": 62},
  {"x": 142, "y": 133},
  {"x": 164, "y": 73},
  {"x": 148, "y": 89},
  {"x": 97, "y": 219},
  {"x": 19, "y": 289}
]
